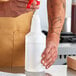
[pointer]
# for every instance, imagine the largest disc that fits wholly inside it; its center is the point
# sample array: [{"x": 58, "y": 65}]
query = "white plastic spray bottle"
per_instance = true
[{"x": 34, "y": 46}]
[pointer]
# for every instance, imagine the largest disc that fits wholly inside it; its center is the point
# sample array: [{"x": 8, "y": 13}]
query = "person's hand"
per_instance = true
[{"x": 50, "y": 53}]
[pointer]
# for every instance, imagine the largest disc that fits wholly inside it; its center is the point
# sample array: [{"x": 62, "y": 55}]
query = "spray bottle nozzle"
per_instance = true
[
  {"x": 36, "y": 27},
  {"x": 31, "y": 1}
]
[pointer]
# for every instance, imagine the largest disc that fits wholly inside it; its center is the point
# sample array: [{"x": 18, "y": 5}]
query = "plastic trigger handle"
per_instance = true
[
  {"x": 38, "y": 2},
  {"x": 29, "y": 4}
]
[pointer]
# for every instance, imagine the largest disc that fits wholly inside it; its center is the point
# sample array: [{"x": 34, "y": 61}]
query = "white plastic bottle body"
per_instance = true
[{"x": 35, "y": 45}]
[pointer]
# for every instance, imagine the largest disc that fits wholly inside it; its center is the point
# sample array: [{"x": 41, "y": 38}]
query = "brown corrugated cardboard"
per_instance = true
[
  {"x": 71, "y": 62},
  {"x": 12, "y": 36}
]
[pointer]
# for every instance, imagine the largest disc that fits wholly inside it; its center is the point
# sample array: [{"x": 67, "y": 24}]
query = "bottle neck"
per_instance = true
[{"x": 35, "y": 26}]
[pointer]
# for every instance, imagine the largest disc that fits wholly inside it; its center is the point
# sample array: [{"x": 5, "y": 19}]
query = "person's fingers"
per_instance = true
[
  {"x": 51, "y": 52},
  {"x": 47, "y": 55},
  {"x": 50, "y": 62},
  {"x": 44, "y": 56},
  {"x": 49, "y": 65},
  {"x": 43, "y": 61},
  {"x": 46, "y": 51},
  {"x": 50, "y": 59},
  {"x": 55, "y": 56}
]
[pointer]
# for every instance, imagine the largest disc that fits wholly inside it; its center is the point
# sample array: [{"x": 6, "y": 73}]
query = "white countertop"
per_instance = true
[{"x": 55, "y": 70}]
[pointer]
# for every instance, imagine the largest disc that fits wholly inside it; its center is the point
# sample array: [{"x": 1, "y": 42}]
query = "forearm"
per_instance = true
[{"x": 56, "y": 15}]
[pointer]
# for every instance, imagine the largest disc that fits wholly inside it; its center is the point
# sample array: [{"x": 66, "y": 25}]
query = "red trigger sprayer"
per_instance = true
[{"x": 30, "y": 3}]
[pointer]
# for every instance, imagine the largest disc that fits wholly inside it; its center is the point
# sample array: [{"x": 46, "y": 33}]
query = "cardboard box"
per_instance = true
[{"x": 71, "y": 62}]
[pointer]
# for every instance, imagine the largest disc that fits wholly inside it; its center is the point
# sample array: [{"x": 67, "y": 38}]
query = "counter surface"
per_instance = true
[{"x": 55, "y": 70}]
